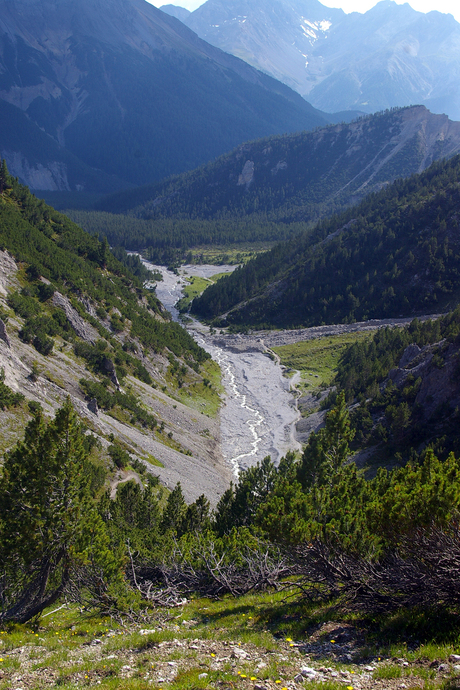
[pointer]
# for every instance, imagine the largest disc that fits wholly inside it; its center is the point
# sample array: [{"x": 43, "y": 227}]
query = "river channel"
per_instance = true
[{"x": 258, "y": 415}]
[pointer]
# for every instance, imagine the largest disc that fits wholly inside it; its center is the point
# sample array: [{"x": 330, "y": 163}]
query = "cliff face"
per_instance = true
[{"x": 438, "y": 368}]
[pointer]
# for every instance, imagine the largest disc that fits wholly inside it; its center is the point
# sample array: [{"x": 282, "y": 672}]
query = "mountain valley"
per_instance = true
[{"x": 245, "y": 475}]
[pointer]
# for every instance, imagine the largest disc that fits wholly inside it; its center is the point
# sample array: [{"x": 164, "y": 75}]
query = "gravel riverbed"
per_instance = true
[{"x": 259, "y": 412}]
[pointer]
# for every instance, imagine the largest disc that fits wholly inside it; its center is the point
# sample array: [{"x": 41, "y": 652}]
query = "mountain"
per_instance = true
[
  {"x": 299, "y": 177},
  {"x": 389, "y": 56},
  {"x": 175, "y": 11},
  {"x": 395, "y": 254},
  {"x": 99, "y": 95}
]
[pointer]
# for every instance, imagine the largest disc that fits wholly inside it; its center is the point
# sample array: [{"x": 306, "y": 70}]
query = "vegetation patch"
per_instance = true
[{"x": 317, "y": 359}]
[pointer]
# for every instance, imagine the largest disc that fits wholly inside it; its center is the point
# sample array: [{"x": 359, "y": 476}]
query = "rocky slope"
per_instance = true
[{"x": 192, "y": 454}]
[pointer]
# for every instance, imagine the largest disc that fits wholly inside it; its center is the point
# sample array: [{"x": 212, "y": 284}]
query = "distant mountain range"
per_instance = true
[
  {"x": 300, "y": 177},
  {"x": 389, "y": 56},
  {"x": 97, "y": 95}
]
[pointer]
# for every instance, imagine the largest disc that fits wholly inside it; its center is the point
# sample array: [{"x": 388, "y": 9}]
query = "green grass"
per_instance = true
[
  {"x": 196, "y": 286},
  {"x": 317, "y": 359},
  {"x": 203, "y": 395},
  {"x": 265, "y": 624},
  {"x": 229, "y": 254}
]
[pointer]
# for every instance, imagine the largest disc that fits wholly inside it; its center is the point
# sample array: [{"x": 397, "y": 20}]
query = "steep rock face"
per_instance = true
[
  {"x": 124, "y": 88},
  {"x": 389, "y": 56},
  {"x": 437, "y": 367},
  {"x": 277, "y": 37}
]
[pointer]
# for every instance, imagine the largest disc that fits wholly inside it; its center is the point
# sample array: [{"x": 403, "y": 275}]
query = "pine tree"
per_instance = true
[
  {"x": 174, "y": 512},
  {"x": 48, "y": 524},
  {"x": 4, "y": 177},
  {"x": 327, "y": 450}
]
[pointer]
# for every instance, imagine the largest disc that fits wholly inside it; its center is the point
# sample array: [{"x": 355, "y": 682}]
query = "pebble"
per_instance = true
[
  {"x": 444, "y": 668},
  {"x": 111, "y": 656},
  {"x": 299, "y": 678},
  {"x": 203, "y": 675},
  {"x": 260, "y": 687},
  {"x": 454, "y": 658},
  {"x": 456, "y": 668},
  {"x": 369, "y": 668},
  {"x": 238, "y": 653},
  {"x": 146, "y": 631},
  {"x": 308, "y": 672}
]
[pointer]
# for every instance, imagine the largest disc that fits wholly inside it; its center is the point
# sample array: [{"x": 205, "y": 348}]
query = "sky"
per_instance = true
[{"x": 446, "y": 6}]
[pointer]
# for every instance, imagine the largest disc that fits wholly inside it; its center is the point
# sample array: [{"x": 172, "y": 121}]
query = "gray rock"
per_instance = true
[
  {"x": 4, "y": 334},
  {"x": 238, "y": 653},
  {"x": 308, "y": 672},
  {"x": 299, "y": 678},
  {"x": 83, "y": 329},
  {"x": 409, "y": 354},
  {"x": 93, "y": 406},
  {"x": 109, "y": 366},
  {"x": 443, "y": 668},
  {"x": 454, "y": 658},
  {"x": 203, "y": 675}
]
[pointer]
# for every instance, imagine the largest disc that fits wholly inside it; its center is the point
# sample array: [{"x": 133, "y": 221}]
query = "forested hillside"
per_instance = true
[
  {"x": 395, "y": 254},
  {"x": 301, "y": 176},
  {"x": 407, "y": 384},
  {"x": 77, "y": 322}
]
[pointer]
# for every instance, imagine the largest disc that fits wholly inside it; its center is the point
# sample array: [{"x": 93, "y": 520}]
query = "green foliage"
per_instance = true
[
  {"x": 7, "y": 397},
  {"x": 391, "y": 413},
  {"x": 328, "y": 449},
  {"x": 392, "y": 255},
  {"x": 107, "y": 400},
  {"x": 119, "y": 456},
  {"x": 78, "y": 264},
  {"x": 48, "y": 524}
]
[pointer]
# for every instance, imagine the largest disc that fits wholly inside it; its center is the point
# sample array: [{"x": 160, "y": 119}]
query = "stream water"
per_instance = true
[{"x": 259, "y": 413}]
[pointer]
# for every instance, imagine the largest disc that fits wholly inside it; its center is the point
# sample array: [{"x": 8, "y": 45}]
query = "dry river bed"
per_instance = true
[{"x": 260, "y": 413}]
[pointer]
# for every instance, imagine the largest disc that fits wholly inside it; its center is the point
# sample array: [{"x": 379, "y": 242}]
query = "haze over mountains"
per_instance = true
[
  {"x": 300, "y": 176},
  {"x": 389, "y": 56},
  {"x": 99, "y": 95}
]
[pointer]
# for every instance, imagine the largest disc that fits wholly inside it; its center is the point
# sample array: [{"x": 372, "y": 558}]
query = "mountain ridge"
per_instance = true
[
  {"x": 395, "y": 254},
  {"x": 389, "y": 56},
  {"x": 130, "y": 91},
  {"x": 291, "y": 178}
]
